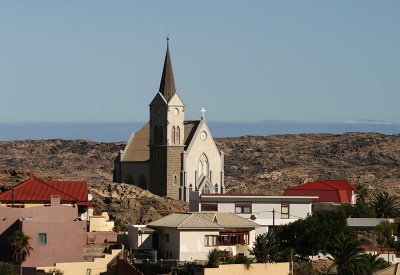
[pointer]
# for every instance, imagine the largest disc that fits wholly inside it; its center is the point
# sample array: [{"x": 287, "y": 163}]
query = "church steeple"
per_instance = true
[{"x": 167, "y": 84}]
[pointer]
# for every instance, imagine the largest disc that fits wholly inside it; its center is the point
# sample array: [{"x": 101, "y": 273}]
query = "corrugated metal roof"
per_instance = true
[
  {"x": 203, "y": 220},
  {"x": 35, "y": 189},
  {"x": 137, "y": 148}
]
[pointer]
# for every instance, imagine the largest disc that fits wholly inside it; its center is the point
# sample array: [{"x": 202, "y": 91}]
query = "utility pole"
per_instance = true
[{"x": 273, "y": 218}]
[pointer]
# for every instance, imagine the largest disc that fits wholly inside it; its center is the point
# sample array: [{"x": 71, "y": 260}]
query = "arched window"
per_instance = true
[
  {"x": 178, "y": 135},
  {"x": 174, "y": 179},
  {"x": 156, "y": 135},
  {"x": 202, "y": 168},
  {"x": 206, "y": 189},
  {"x": 173, "y": 135},
  {"x": 190, "y": 187},
  {"x": 216, "y": 188},
  {"x": 160, "y": 135}
]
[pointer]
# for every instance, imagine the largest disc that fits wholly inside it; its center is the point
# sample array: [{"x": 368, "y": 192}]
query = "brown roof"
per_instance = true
[{"x": 137, "y": 148}]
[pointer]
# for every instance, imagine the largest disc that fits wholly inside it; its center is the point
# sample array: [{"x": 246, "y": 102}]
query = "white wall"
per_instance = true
[{"x": 197, "y": 147}]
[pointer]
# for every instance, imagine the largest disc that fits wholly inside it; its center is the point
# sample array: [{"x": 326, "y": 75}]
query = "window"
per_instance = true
[
  {"x": 173, "y": 135},
  {"x": 156, "y": 135},
  {"x": 167, "y": 238},
  {"x": 242, "y": 208},
  {"x": 174, "y": 180},
  {"x": 160, "y": 135},
  {"x": 233, "y": 238},
  {"x": 178, "y": 135},
  {"x": 209, "y": 207},
  {"x": 216, "y": 188},
  {"x": 285, "y": 210},
  {"x": 206, "y": 189},
  {"x": 42, "y": 238},
  {"x": 211, "y": 240}
]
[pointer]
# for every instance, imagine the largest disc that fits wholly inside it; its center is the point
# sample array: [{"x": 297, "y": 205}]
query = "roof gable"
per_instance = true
[
  {"x": 158, "y": 100},
  {"x": 201, "y": 126},
  {"x": 175, "y": 100}
]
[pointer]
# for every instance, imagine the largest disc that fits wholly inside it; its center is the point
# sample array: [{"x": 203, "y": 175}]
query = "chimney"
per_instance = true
[{"x": 55, "y": 200}]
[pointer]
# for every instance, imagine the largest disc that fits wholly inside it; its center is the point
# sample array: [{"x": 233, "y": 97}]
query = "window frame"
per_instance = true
[
  {"x": 285, "y": 214},
  {"x": 242, "y": 206},
  {"x": 40, "y": 238}
]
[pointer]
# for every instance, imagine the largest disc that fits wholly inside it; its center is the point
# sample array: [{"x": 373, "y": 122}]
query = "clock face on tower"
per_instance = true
[
  {"x": 158, "y": 111},
  {"x": 203, "y": 135},
  {"x": 175, "y": 111}
]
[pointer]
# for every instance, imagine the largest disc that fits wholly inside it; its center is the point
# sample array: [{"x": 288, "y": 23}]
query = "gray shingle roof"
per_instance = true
[{"x": 203, "y": 220}]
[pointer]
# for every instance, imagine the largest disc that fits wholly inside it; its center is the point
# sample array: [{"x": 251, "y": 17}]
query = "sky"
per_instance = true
[{"x": 244, "y": 61}]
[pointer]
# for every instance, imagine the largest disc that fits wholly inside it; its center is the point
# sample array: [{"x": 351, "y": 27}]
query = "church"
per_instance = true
[{"x": 171, "y": 156}]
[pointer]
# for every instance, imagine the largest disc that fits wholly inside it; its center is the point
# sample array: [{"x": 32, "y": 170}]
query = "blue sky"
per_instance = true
[{"x": 85, "y": 61}]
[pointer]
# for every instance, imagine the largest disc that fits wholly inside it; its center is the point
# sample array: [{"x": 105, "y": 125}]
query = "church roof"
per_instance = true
[
  {"x": 137, "y": 148},
  {"x": 167, "y": 84}
]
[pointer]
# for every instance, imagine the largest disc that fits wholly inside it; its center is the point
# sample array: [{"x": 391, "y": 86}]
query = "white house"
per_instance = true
[
  {"x": 264, "y": 210},
  {"x": 190, "y": 236}
]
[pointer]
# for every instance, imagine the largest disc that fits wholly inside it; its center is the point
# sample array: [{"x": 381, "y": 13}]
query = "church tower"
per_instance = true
[{"x": 166, "y": 136}]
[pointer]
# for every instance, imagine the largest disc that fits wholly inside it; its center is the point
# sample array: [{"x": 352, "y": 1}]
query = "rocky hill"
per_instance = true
[{"x": 252, "y": 164}]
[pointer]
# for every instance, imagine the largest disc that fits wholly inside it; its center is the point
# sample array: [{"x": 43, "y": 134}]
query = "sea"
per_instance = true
[{"x": 120, "y": 131}]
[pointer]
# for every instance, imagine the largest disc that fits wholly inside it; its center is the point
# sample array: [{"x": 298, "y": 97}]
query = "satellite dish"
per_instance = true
[
  {"x": 84, "y": 216},
  {"x": 90, "y": 197}
]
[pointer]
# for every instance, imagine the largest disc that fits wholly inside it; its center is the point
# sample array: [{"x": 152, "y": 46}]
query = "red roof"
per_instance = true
[
  {"x": 326, "y": 190},
  {"x": 324, "y": 185},
  {"x": 35, "y": 189}
]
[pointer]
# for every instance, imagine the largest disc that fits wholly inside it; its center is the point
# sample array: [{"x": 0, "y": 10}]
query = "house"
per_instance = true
[
  {"x": 35, "y": 192},
  {"x": 190, "y": 236},
  {"x": 55, "y": 231},
  {"x": 264, "y": 210},
  {"x": 328, "y": 191},
  {"x": 171, "y": 156}
]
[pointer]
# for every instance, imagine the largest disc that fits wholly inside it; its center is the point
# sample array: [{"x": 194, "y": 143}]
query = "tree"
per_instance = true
[
  {"x": 21, "y": 247},
  {"x": 373, "y": 263},
  {"x": 385, "y": 205},
  {"x": 362, "y": 192},
  {"x": 267, "y": 248},
  {"x": 6, "y": 269},
  {"x": 214, "y": 258},
  {"x": 385, "y": 232},
  {"x": 359, "y": 210},
  {"x": 346, "y": 252}
]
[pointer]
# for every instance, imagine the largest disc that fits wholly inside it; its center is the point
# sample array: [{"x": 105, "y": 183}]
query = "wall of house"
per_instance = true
[
  {"x": 64, "y": 241},
  {"x": 193, "y": 154},
  {"x": 139, "y": 241},
  {"x": 255, "y": 269},
  {"x": 100, "y": 223},
  {"x": 262, "y": 211},
  {"x": 170, "y": 246},
  {"x": 192, "y": 245},
  {"x": 99, "y": 265}
]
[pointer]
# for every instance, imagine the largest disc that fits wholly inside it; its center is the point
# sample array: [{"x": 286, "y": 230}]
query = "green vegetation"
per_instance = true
[
  {"x": 214, "y": 258},
  {"x": 385, "y": 205},
  {"x": 6, "y": 269},
  {"x": 21, "y": 247}
]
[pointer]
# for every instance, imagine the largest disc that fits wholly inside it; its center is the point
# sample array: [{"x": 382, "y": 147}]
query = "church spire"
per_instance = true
[{"x": 167, "y": 84}]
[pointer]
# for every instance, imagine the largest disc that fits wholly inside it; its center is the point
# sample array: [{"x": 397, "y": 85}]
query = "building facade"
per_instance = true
[
  {"x": 266, "y": 211},
  {"x": 171, "y": 156}
]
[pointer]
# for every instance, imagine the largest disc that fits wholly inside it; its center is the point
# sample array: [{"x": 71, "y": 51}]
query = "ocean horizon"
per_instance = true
[{"x": 120, "y": 131}]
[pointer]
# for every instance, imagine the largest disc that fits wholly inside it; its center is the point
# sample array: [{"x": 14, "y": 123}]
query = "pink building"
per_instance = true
[{"x": 56, "y": 234}]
